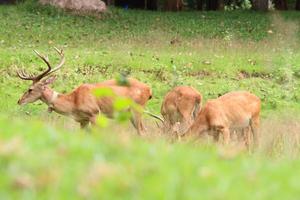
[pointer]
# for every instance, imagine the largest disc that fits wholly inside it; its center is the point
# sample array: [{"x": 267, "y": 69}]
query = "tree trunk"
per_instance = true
[
  {"x": 211, "y": 4},
  {"x": 200, "y": 4},
  {"x": 280, "y": 4},
  {"x": 297, "y": 5},
  {"x": 173, "y": 5},
  {"x": 260, "y": 5},
  {"x": 152, "y": 4}
]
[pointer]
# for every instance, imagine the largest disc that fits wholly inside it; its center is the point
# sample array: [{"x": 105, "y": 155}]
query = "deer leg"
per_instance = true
[
  {"x": 215, "y": 131},
  {"x": 93, "y": 120},
  {"x": 186, "y": 122},
  {"x": 169, "y": 129},
  {"x": 170, "y": 121},
  {"x": 216, "y": 136},
  {"x": 166, "y": 126},
  {"x": 254, "y": 124},
  {"x": 142, "y": 124},
  {"x": 133, "y": 122},
  {"x": 246, "y": 136},
  {"x": 226, "y": 135},
  {"x": 136, "y": 121}
]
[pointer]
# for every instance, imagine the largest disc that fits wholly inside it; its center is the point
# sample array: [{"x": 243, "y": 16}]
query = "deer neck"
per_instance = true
[{"x": 57, "y": 102}]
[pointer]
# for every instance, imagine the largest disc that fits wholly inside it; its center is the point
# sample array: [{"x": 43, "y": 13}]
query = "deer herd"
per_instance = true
[{"x": 182, "y": 110}]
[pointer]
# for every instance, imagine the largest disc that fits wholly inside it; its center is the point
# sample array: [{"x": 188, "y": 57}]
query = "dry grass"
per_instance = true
[{"x": 280, "y": 136}]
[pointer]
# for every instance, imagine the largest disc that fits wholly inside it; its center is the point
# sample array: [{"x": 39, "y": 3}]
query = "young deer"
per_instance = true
[
  {"x": 180, "y": 107},
  {"x": 234, "y": 110},
  {"x": 81, "y": 103}
]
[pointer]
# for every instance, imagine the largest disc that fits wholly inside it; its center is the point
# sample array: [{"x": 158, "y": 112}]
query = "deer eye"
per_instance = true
[{"x": 30, "y": 90}]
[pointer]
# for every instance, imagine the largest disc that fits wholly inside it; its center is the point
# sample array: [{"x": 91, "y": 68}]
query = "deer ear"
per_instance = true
[{"x": 49, "y": 80}]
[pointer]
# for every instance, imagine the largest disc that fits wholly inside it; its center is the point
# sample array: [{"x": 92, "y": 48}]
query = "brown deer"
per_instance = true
[
  {"x": 81, "y": 103},
  {"x": 232, "y": 111},
  {"x": 180, "y": 107}
]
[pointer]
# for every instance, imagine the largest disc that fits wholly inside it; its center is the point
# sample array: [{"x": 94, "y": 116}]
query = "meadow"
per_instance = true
[{"x": 47, "y": 156}]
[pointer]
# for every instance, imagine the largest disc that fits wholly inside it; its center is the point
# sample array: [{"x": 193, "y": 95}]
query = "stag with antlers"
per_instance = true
[{"x": 81, "y": 104}]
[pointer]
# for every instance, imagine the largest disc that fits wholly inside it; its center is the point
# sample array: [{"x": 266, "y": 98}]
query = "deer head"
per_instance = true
[{"x": 39, "y": 84}]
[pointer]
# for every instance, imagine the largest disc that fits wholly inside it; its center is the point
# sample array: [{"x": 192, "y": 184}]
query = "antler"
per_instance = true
[
  {"x": 62, "y": 60},
  {"x": 24, "y": 76}
]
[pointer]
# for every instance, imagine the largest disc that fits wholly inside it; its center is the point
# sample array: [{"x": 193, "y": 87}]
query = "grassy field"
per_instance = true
[{"x": 46, "y": 156}]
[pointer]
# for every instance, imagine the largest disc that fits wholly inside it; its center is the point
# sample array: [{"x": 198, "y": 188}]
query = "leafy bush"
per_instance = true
[
  {"x": 239, "y": 4},
  {"x": 123, "y": 107}
]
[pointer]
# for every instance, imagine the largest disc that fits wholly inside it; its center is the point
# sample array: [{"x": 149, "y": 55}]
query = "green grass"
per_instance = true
[
  {"x": 40, "y": 162},
  {"x": 125, "y": 25},
  {"x": 138, "y": 42},
  {"x": 45, "y": 156}
]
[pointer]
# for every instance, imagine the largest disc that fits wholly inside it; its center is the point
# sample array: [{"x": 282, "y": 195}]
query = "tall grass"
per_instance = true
[{"x": 40, "y": 162}]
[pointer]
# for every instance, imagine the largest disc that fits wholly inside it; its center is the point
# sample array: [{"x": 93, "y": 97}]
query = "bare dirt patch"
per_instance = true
[
  {"x": 244, "y": 75},
  {"x": 201, "y": 73}
]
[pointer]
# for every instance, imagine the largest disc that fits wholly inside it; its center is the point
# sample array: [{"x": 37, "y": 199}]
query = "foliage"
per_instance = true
[
  {"x": 122, "y": 106},
  {"x": 239, "y": 4},
  {"x": 34, "y": 7}
]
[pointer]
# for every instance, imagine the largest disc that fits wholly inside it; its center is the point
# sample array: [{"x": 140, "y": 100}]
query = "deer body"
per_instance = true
[
  {"x": 142, "y": 92},
  {"x": 81, "y": 103},
  {"x": 234, "y": 110},
  {"x": 180, "y": 107}
]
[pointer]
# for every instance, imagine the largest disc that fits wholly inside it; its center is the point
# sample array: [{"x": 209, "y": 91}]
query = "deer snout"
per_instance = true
[{"x": 20, "y": 102}]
